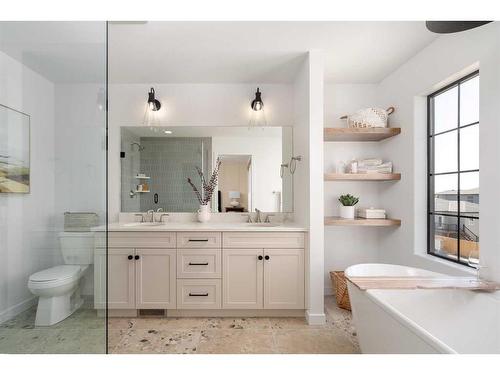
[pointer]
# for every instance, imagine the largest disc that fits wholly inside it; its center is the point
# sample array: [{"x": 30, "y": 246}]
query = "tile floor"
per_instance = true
[
  {"x": 234, "y": 335},
  {"x": 83, "y": 332}
]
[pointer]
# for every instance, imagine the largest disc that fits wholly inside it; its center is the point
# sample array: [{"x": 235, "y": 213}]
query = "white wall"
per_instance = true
[
  {"x": 80, "y": 149},
  {"x": 27, "y": 237},
  {"x": 80, "y": 155},
  {"x": 308, "y": 178},
  {"x": 446, "y": 59},
  {"x": 266, "y": 160},
  {"x": 189, "y": 105},
  {"x": 345, "y": 246}
]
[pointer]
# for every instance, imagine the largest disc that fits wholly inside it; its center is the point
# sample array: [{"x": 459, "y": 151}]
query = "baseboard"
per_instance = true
[
  {"x": 207, "y": 313},
  {"x": 315, "y": 319},
  {"x": 232, "y": 313},
  {"x": 12, "y": 311}
]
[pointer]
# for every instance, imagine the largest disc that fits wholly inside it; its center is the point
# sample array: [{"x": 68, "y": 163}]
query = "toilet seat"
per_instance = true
[{"x": 54, "y": 276}]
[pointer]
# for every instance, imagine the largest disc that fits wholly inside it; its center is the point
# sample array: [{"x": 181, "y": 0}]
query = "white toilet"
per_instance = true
[{"x": 58, "y": 288}]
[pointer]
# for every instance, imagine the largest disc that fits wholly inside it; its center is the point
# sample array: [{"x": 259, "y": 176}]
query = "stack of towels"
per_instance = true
[{"x": 374, "y": 166}]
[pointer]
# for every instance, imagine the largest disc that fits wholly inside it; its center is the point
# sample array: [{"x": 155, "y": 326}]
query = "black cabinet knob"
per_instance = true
[
  {"x": 259, "y": 257},
  {"x": 130, "y": 257},
  {"x": 266, "y": 257},
  {"x": 137, "y": 257}
]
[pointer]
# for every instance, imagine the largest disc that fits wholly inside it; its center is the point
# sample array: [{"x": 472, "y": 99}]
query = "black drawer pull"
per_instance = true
[
  {"x": 198, "y": 294},
  {"x": 198, "y": 264},
  {"x": 198, "y": 240},
  {"x": 266, "y": 257},
  {"x": 137, "y": 257},
  {"x": 130, "y": 257},
  {"x": 259, "y": 257}
]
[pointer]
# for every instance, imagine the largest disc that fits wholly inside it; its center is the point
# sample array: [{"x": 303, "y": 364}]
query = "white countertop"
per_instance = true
[{"x": 201, "y": 227}]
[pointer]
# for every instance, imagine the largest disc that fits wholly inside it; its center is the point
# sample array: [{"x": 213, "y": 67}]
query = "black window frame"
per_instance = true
[{"x": 430, "y": 170}]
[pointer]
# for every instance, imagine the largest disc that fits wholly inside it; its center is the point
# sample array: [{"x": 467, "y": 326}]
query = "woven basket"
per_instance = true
[
  {"x": 340, "y": 286},
  {"x": 369, "y": 118}
]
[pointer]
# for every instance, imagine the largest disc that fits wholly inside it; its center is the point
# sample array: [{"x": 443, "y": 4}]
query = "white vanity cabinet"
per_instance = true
[
  {"x": 155, "y": 278},
  {"x": 243, "y": 279},
  {"x": 263, "y": 278},
  {"x": 202, "y": 272},
  {"x": 138, "y": 277},
  {"x": 121, "y": 284}
]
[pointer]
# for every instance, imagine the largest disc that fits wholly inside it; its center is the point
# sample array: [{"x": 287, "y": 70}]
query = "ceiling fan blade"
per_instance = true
[{"x": 448, "y": 27}]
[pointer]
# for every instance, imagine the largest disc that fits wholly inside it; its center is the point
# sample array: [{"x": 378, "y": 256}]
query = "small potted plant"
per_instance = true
[{"x": 347, "y": 209}]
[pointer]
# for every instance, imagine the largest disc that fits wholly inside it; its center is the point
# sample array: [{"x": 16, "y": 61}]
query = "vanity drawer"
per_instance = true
[
  {"x": 199, "y": 240},
  {"x": 199, "y": 263},
  {"x": 164, "y": 240},
  {"x": 268, "y": 240},
  {"x": 199, "y": 294}
]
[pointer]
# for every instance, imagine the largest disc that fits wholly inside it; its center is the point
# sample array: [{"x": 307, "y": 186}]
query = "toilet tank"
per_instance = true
[{"x": 77, "y": 247}]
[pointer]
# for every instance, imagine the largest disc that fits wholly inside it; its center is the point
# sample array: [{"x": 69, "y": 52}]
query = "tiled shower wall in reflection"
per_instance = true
[{"x": 169, "y": 162}]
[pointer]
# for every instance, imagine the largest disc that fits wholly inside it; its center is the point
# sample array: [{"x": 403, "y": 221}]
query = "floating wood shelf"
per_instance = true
[
  {"x": 362, "y": 176},
  {"x": 142, "y": 177},
  {"x": 335, "y": 220},
  {"x": 142, "y": 191},
  {"x": 359, "y": 134}
]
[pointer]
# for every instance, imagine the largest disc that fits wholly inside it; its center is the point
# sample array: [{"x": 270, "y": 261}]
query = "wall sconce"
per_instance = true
[
  {"x": 153, "y": 103},
  {"x": 152, "y": 107},
  {"x": 257, "y": 103},
  {"x": 257, "y": 116}
]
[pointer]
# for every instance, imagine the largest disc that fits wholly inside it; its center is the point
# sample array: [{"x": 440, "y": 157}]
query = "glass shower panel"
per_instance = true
[{"x": 52, "y": 186}]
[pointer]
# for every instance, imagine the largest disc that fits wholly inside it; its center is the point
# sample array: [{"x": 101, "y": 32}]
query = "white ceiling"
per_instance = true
[
  {"x": 63, "y": 52},
  {"x": 205, "y": 131},
  {"x": 259, "y": 52},
  {"x": 211, "y": 52}
]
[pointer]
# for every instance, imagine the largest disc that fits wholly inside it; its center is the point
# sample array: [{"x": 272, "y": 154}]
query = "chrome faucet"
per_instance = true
[
  {"x": 257, "y": 217},
  {"x": 151, "y": 215},
  {"x": 268, "y": 220},
  {"x": 160, "y": 220},
  {"x": 249, "y": 217}
]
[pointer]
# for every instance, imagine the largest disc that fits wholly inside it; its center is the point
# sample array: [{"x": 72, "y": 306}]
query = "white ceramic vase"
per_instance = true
[
  {"x": 347, "y": 212},
  {"x": 204, "y": 213}
]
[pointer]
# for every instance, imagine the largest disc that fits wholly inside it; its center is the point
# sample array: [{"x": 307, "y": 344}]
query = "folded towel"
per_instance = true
[{"x": 369, "y": 162}]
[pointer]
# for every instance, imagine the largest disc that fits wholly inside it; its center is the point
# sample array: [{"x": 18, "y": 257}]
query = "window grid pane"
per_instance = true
[{"x": 453, "y": 171}]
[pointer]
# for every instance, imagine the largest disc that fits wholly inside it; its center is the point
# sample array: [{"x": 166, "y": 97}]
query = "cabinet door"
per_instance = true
[
  {"x": 155, "y": 278},
  {"x": 121, "y": 279},
  {"x": 283, "y": 279},
  {"x": 99, "y": 278},
  {"x": 242, "y": 279}
]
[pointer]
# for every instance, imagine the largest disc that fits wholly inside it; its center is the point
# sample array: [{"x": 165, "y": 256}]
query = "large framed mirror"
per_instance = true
[{"x": 157, "y": 161}]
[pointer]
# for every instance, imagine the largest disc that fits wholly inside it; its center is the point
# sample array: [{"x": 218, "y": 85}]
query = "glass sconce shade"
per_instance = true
[{"x": 257, "y": 103}]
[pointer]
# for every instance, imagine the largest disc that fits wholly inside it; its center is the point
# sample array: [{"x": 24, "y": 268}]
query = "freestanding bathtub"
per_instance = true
[{"x": 422, "y": 320}]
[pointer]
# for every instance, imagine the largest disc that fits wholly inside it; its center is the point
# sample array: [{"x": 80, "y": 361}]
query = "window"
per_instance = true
[{"x": 453, "y": 171}]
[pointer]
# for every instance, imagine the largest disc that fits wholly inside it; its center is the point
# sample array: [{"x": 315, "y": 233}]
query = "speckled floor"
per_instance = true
[
  {"x": 229, "y": 335},
  {"x": 83, "y": 332}
]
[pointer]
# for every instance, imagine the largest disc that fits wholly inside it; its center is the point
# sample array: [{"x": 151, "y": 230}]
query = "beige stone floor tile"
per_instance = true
[
  {"x": 314, "y": 341},
  {"x": 156, "y": 341},
  {"x": 236, "y": 341},
  {"x": 53, "y": 341},
  {"x": 291, "y": 323},
  {"x": 241, "y": 323}
]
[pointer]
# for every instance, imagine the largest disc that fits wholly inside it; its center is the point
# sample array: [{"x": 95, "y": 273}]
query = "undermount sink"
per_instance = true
[
  {"x": 142, "y": 224},
  {"x": 270, "y": 225}
]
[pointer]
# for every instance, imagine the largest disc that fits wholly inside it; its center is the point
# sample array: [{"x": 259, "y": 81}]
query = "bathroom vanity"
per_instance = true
[{"x": 192, "y": 269}]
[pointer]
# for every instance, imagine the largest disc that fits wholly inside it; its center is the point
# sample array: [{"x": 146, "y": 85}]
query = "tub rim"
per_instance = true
[{"x": 425, "y": 335}]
